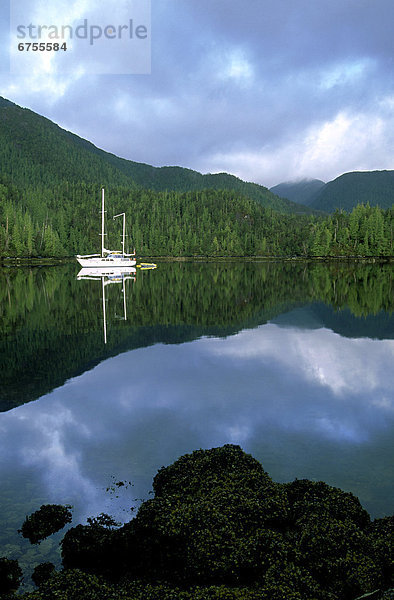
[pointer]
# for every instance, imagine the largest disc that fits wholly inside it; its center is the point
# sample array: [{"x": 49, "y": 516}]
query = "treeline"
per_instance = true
[
  {"x": 366, "y": 231},
  {"x": 65, "y": 220}
]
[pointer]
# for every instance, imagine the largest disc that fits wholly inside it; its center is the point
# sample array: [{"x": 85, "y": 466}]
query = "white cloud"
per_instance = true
[
  {"x": 344, "y": 143},
  {"x": 345, "y": 73},
  {"x": 93, "y": 38},
  {"x": 235, "y": 66}
]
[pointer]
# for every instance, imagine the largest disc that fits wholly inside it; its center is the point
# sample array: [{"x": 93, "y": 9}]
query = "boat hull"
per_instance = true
[{"x": 107, "y": 263}]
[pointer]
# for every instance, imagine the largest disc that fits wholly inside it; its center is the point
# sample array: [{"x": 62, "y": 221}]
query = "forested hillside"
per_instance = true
[
  {"x": 345, "y": 192},
  {"x": 37, "y": 153},
  {"x": 34, "y": 151}
]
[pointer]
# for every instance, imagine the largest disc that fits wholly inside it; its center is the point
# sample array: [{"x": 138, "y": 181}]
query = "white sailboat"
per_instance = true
[{"x": 108, "y": 259}]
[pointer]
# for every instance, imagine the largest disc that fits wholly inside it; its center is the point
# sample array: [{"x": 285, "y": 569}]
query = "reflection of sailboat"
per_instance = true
[
  {"x": 147, "y": 266},
  {"x": 108, "y": 259},
  {"x": 107, "y": 277},
  {"x": 113, "y": 275}
]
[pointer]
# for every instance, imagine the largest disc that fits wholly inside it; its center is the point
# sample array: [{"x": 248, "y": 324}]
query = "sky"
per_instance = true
[{"x": 268, "y": 90}]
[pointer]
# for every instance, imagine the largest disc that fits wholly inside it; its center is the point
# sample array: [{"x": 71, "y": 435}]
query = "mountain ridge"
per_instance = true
[
  {"x": 345, "y": 192},
  {"x": 35, "y": 151},
  {"x": 35, "y": 142},
  {"x": 375, "y": 188}
]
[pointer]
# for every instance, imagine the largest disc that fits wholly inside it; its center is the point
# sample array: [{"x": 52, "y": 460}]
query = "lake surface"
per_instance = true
[{"x": 294, "y": 362}]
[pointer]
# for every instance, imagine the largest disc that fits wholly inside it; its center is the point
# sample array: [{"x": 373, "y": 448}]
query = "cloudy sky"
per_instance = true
[{"x": 269, "y": 90}]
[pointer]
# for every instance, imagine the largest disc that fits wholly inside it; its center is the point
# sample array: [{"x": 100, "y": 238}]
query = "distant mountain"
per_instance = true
[
  {"x": 344, "y": 192},
  {"x": 34, "y": 151},
  {"x": 360, "y": 187},
  {"x": 302, "y": 191},
  {"x": 317, "y": 315}
]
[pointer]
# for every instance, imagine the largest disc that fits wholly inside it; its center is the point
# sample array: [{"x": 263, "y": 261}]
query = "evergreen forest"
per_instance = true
[{"x": 206, "y": 223}]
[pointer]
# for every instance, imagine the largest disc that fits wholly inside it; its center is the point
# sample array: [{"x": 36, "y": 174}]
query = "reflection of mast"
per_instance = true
[
  {"x": 104, "y": 312},
  {"x": 107, "y": 277},
  {"x": 124, "y": 318},
  {"x": 124, "y": 229},
  {"x": 124, "y": 301}
]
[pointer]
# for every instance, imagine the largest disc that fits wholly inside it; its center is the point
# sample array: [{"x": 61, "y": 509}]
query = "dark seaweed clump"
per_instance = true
[{"x": 218, "y": 527}]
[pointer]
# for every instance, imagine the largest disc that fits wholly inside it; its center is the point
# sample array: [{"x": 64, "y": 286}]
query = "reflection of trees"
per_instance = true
[
  {"x": 51, "y": 324},
  {"x": 364, "y": 289}
]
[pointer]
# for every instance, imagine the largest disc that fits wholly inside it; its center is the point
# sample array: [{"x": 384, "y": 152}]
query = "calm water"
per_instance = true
[{"x": 293, "y": 362}]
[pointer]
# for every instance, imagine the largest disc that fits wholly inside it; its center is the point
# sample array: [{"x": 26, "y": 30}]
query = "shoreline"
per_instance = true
[{"x": 54, "y": 261}]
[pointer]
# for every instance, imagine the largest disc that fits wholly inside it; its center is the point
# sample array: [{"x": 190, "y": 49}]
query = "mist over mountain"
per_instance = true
[
  {"x": 375, "y": 188},
  {"x": 302, "y": 191}
]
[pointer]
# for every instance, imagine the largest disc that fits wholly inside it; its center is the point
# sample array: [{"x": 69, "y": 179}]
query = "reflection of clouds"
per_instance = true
[
  {"x": 343, "y": 365},
  {"x": 53, "y": 456},
  {"x": 275, "y": 391},
  {"x": 384, "y": 402},
  {"x": 41, "y": 448},
  {"x": 333, "y": 428}
]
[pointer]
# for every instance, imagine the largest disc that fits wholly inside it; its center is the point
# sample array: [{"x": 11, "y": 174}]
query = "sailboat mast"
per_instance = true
[
  {"x": 123, "y": 236},
  {"x": 102, "y": 222}
]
